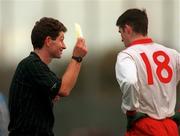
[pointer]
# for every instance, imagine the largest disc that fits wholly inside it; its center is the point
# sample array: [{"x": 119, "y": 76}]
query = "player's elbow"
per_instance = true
[
  {"x": 131, "y": 82},
  {"x": 131, "y": 79},
  {"x": 125, "y": 84}
]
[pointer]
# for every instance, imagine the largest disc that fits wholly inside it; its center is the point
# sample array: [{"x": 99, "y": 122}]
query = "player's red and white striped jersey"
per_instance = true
[{"x": 148, "y": 74}]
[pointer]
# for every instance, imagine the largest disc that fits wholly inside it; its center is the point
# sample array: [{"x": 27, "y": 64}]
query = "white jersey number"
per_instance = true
[{"x": 161, "y": 65}]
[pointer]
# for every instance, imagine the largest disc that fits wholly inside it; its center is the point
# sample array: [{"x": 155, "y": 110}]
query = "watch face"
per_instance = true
[{"x": 78, "y": 59}]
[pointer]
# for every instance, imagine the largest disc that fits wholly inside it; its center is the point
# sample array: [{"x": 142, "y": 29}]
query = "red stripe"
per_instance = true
[{"x": 141, "y": 41}]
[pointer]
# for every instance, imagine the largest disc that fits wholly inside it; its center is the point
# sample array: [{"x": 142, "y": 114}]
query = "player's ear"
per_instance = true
[{"x": 128, "y": 29}]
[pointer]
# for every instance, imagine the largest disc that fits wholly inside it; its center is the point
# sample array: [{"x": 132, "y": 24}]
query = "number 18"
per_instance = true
[{"x": 160, "y": 66}]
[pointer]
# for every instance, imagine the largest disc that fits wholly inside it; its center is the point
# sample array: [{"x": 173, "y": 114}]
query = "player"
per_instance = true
[{"x": 148, "y": 74}]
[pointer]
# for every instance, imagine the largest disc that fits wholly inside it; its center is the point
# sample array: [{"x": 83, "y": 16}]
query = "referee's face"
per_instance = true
[{"x": 57, "y": 46}]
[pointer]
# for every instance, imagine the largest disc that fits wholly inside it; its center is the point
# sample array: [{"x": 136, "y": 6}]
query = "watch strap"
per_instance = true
[{"x": 78, "y": 59}]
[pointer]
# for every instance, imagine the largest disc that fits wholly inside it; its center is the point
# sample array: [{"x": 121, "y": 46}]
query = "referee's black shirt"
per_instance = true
[{"x": 31, "y": 93}]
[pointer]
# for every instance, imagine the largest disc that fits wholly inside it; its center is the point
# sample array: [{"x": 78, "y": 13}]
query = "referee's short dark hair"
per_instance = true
[
  {"x": 135, "y": 18},
  {"x": 46, "y": 26}
]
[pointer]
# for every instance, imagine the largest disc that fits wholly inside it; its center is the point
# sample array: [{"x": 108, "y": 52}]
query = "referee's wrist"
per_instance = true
[{"x": 77, "y": 58}]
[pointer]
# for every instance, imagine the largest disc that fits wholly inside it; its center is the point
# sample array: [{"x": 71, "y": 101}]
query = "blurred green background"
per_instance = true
[{"x": 94, "y": 106}]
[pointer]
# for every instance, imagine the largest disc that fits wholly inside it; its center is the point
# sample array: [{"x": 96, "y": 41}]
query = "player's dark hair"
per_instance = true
[
  {"x": 135, "y": 18},
  {"x": 46, "y": 27}
]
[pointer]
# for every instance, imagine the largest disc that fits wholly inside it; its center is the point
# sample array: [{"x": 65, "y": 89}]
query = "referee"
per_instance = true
[{"x": 34, "y": 87}]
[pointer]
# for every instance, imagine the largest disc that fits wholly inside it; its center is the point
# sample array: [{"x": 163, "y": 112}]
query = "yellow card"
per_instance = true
[{"x": 78, "y": 30}]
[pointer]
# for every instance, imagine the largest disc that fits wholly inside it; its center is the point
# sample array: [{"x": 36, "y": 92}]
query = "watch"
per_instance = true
[{"x": 78, "y": 59}]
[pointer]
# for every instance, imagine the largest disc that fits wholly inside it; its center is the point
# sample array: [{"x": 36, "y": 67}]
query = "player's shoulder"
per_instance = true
[
  {"x": 125, "y": 54},
  {"x": 129, "y": 52},
  {"x": 167, "y": 49}
]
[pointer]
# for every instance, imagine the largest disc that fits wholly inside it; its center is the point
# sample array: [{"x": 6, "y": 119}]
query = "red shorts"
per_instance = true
[{"x": 151, "y": 127}]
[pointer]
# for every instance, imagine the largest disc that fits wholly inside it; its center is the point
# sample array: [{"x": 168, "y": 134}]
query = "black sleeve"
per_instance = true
[{"x": 42, "y": 76}]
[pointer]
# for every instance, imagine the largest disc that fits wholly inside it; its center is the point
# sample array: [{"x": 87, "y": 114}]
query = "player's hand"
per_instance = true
[
  {"x": 80, "y": 49},
  {"x": 176, "y": 118},
  {"x": 131, "y": 119}
]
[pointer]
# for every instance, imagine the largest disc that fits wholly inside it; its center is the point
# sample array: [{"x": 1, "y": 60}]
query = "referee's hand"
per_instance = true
[
  {"x": 56, "y": 99},
  {"x": 80, "y": 49}
]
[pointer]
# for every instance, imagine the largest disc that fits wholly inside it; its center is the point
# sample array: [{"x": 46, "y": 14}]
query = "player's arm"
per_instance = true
[
  {"x": 178, "y": 66},
  {"x": 176, "y": 116},
  {"x": 126, "y": 74},
  {"x": 71, "y": 74}
]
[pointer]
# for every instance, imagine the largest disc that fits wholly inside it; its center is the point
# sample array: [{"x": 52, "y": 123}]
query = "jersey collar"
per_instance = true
[{"x": 141, "y": 41}]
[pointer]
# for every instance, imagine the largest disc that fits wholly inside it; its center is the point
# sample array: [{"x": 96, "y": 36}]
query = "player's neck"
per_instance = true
[
  {"x": 44, "y": 56},
  {"x": 138, "y": 37}
]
